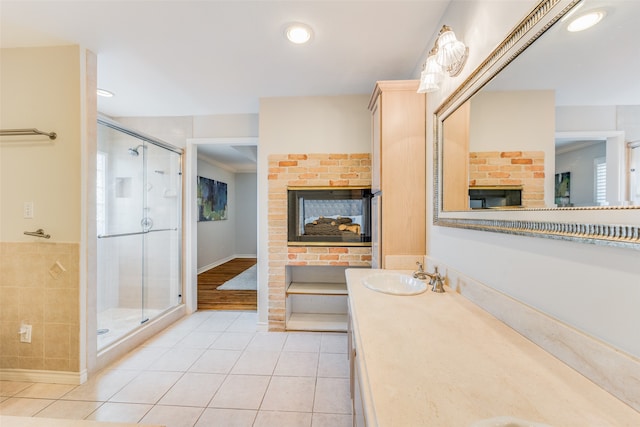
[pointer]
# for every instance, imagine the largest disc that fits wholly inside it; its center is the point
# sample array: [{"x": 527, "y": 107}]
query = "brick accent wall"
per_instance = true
[
  {"x": 313, "y": 170},
  {"x": 525, "y": 168}
]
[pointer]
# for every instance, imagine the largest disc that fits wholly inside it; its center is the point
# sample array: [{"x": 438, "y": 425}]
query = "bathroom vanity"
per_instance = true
[{"x": 439, "y": 360}]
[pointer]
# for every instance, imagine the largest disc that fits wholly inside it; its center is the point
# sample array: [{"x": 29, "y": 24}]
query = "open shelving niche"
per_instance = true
[{"x": 316, "y": 298}]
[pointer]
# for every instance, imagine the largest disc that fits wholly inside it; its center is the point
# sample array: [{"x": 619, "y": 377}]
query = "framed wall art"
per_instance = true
[{"x": 212, "y": 199}]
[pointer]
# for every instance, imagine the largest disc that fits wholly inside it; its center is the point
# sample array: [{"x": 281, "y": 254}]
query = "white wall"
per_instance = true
[
  {"x": 592, "y": 288},
  {"x": 330, "y": 124},
  {"x": 516, "y": 121},
  {"x": 217, "y": 239},
  {"x": 40, "y": 88},
  {"x": 246, "y": 214}
]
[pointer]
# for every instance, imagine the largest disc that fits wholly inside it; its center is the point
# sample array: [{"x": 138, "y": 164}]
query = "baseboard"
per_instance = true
[
  {"x": 222, "y": 261},
  {"x": 609, "y": 368},
  {"x": 36, "y": 376}
]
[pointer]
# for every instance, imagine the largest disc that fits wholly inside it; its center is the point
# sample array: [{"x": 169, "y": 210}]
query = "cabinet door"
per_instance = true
[
  {"x": 376, "y": 148},
  {"x": 359, "y": 419},
  {"x": 455, "y": 152},
  {"x": 376, "y": 225}
]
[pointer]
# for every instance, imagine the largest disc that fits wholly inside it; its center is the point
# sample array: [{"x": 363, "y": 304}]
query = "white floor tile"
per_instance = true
[
  {"x": 241, "y": 392},
  {"x": 232, "y": 341},
  {"x": 196, "y": 339},
  {"x": 69, "y": 409},
  {"x": 296, "y": 364},
  {"x": 23, "y": 407},
  {"x": 148, "y": 387},
  {"x": 172, "y": 416},
  {"x": 46, "y": 391},
  {"x": 215, "y": 324},
  {"x": 139, "y": 358},
  {"x": 247, "y": 322},
  {"x": 166, "y": 339},
  {"x": 331, "y": 420},
  {"x": 256, "y": 363},
  {"x": 268, "y": 341},
  {"x": 216, "y": 361},
  {"x": 11, "y": 388},
  {"x": 120, "y": 412},
  {"x": 213, "y": 368},
  {"x": 289, "y": 394},
  {"x": 303, "y": 341},
  {"x": 332, "y": 396},
  {"x": 333, "y": 365},
  {"x": 334, "y": 343},
  {"x": 177, "y": 359},
  {"x": 282, "y": 419},
  {"x": 102, "y": 386},
  {"x": 214, "y": 417},
  {"x": 193, "y": 389}
]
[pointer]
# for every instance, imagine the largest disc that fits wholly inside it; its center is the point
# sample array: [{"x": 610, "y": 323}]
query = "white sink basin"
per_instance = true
[{"x": 394, "y": 284}]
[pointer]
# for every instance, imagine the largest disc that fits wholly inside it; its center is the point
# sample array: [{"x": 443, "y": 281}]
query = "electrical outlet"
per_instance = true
[
  {"x": 25, "y": 333},
  {"x": 28, "y": 210}
]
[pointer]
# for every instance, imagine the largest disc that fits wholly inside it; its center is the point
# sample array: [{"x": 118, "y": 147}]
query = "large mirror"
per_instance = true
[{"x": 544, "y": 137}]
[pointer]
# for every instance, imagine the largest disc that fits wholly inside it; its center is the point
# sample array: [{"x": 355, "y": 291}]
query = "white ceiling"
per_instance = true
[
  {"x": 184, "y": 57},
  {"x": 188, "y": 58}
]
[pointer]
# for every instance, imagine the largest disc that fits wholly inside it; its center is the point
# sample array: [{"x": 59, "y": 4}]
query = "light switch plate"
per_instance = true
[{"x": 28, "y": 210}]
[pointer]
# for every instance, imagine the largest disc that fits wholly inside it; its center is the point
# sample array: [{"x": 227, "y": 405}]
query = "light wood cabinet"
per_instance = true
[
  {"x": 398, "y": 169},
  {"x": 455, "y": 152}
]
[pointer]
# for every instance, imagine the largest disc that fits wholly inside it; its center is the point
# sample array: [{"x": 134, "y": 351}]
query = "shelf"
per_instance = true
[
  {"x": 319, "y": 322},
  {"x": 317, "y": 288}
]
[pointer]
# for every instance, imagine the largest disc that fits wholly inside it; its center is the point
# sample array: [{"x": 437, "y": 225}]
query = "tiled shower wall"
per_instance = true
[
  {"x": 312, "y": 170},
  {"x": 525, "y": 168},
  {"x": 39, "y": 284}
]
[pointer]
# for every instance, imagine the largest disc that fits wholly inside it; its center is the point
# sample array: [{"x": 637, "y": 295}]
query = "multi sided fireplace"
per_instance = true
[{"x": 329, "y": 216}]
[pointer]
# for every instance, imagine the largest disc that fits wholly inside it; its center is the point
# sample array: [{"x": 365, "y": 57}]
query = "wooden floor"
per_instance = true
[{"x": 210, "y": 298}]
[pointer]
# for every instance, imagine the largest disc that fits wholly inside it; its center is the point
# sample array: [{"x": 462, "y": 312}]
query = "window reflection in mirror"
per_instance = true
[{"x": 558, "y": 123}]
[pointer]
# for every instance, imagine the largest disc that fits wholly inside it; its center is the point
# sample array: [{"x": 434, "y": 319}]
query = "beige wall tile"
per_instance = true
[
  {"x": 50, "y": 303},
  {"x": 32, "y": 305},
  {"x": 56, "y": 341}
]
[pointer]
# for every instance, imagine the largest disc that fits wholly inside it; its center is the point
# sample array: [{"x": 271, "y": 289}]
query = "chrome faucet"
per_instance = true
[
  {"x": 436, "y": 281},
  {"x": 420, "y": 273}
]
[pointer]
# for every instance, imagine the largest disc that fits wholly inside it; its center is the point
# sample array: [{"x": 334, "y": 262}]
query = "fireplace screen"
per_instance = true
[{"x": 329, "y": 216}]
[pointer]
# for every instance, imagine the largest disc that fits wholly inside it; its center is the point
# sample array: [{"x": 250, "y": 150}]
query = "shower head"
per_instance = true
[{"x": 134, "y": 151}]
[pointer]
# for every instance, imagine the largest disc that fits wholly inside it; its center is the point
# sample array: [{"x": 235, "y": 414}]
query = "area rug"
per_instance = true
[{"x": 245, "y": 281}]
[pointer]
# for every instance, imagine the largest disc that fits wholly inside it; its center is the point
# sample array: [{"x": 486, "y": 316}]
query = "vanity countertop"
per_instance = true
[{"x": 439, "y": 360}]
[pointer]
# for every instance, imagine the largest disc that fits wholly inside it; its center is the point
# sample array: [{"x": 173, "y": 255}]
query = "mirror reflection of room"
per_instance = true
[{"x": 555, "y": 128}]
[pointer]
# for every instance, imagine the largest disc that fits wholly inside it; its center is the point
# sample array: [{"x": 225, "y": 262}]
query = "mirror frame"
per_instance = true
[{"x": 620, "y": 228}]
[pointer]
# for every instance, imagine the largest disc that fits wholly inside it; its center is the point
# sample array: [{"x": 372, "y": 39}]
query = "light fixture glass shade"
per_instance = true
[
  {"x": 450, "y": 51},
  {"x": 427, "y": 83},
  {"x": 432, "y": 67},
  {"x": 432, "y": 76}
]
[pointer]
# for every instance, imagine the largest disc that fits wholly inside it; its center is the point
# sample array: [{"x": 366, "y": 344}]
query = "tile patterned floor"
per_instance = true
[{"x": 211, "y": 369}]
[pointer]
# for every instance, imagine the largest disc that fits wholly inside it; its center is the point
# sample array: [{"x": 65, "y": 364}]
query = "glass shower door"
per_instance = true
[
  {"x": 139, "y": 205},
  {"x": 160, "y": 221}
]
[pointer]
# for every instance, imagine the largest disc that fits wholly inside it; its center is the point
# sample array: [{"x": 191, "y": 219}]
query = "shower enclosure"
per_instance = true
[{"x": 139, "y": 206}]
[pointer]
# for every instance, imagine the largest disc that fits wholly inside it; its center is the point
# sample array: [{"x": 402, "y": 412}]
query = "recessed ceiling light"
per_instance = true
[
  {"x": 586, "y": 20},
  {"x": 105, "y": 93},
  {"x": 299, "y": 33}
]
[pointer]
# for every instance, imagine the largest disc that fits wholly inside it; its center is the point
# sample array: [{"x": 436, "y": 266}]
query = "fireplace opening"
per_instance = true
[
  {"x": 495, "y": 197},
  {"x": 329, "y": 216}
]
